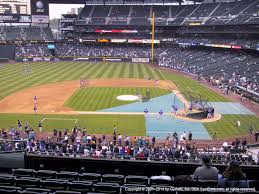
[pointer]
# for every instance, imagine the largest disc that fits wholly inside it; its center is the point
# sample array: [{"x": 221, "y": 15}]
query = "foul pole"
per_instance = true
[{"x": 153, "y": 37}]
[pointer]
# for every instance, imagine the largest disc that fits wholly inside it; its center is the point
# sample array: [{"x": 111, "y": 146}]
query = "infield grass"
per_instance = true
[
  {"x": 13, "y": 79},
  {"x": 97, "y": 98}
]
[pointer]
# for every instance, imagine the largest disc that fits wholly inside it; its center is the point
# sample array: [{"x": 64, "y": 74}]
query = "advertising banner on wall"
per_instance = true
[
  {"x": 135, "y": 41},
  {"x": 25, "y": 19},
  {"x": 9, "y": 18},
  {"x": 118, "y": 40},
  {"x": 111, "y": 59},
  {"x": 140, "y": 60}
]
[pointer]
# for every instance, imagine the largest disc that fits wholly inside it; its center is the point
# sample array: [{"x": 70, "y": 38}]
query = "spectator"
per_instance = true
[
  {"x": 120, "y": 140},
  {"x": 251, "y": 129},
  {"x": 256, "y": 136},
  {"x": 40, "y": 126},
  {"x": 214, "y": 136},
  {"x": 233, "y": 176},
  {"x": 153, "y": 141},
  {"x": 206, "y": 171},
  {"x": 244, "y": 142},
  {"x": 190, "y": 136}
]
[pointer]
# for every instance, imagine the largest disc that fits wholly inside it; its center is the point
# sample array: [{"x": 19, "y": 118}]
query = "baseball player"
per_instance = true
[
  {"x": 19, "y": 124},
  {"x": 35, "y": 99},
  {"x": 174, "y": 110},
  {"x": 146, "y": 112},
  {"x": 35, "y": 109},
  {"x": 160, "y": 114}
]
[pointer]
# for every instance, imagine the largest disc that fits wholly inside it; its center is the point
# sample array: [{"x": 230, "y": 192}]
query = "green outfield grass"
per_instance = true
[
  {"x": 95, "y": 124},
  {"x": 91, "y": 99},
  {"x": 186, "y": 84},
  {"x": 13, "y": 79},
  {"x": 227, "y": 126}
]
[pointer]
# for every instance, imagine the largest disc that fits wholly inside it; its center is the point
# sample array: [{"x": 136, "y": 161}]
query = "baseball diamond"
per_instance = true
[{"x": 129, "y": 96}]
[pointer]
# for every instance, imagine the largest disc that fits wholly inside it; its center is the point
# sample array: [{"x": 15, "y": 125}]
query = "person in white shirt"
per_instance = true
[
  {"x": 89, "y": 138},
  {"x": 184, "y": 135},
  {"x": 66, "y": 138},
  {"x": 78, "y": 139},
  {"x": 119, "y": 139}
]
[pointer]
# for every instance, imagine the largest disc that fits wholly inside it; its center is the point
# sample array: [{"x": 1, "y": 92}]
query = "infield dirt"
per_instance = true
[{"x": 51, "y": 97}]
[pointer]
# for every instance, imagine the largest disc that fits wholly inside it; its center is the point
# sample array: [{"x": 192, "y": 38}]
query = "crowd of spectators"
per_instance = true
[
  {"x": 32, "y": 50},
  {"x": 122, "y": 51},
  {"x": 220, "y": 67},
  {"x": 78, "y": 143}
]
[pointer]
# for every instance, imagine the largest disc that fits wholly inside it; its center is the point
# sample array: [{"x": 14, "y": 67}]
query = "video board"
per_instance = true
[{"x": 15, "y": 7}]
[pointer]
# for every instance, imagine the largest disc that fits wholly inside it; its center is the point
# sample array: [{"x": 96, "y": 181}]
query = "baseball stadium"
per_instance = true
[{"x": 128, "y": 96}]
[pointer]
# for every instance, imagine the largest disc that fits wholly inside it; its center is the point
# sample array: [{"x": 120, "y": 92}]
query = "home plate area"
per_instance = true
[{"x": 168, "y": 124}]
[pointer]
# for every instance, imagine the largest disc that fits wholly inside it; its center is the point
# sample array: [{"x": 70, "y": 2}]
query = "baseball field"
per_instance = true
[{"x": 56, "y": 84}]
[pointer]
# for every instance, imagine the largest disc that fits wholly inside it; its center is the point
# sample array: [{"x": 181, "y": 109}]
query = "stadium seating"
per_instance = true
[
  {"x": 109, "y": 183},
  {"x": 139, "y": 180},
  {"x": 26, "y": 33},
  {"x": 45, "y": 174},
  {"x": 241, "y": 12},
  {"x": 93, "y": 177}
]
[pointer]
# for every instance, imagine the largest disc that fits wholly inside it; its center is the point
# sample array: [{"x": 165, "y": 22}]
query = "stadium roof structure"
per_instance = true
[
  {"x": 113, "y": 2},
  {"x": 100, "y": 2},
  {"x": 122, "y": 1}
]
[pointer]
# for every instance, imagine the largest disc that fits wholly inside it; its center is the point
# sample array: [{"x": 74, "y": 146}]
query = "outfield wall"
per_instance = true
[{"x": 90, "y": 59}]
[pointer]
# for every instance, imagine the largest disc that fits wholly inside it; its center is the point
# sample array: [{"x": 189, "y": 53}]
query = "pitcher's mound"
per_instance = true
[{"x": 127, "y": 97}]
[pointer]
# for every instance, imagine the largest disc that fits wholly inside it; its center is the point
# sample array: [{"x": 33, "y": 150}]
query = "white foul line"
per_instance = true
[{"x": 59, "y": 119}]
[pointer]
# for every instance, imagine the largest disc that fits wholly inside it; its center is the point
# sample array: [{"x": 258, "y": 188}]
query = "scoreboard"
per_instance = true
[
  {"x": 24, "y": 11},
  {"x": 15, "y": 7}
]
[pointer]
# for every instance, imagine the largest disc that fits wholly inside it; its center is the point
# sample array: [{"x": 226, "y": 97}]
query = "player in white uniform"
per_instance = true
[{"x": 35, "y": 99}]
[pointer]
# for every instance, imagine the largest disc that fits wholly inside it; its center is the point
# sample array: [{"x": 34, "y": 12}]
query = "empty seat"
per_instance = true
[
  {"x": 184, "y": 181},
  {"x": 21, "y": 172},
  {"x": 161, "y": 180},
  {"x": 45, "y": 174},
  {"x": 9, "y": 189},
  {"x": 141, "y": 180},
  {"x": 134, "y": 188},
  {"x": 207, "y": 183},
  {"x": 66, "y": 175},
  {"x": 113, "y": 178},
  {"x": 81, "y": 186},
  {"x": 95, "y": 193},
  {"x": 6, "y": 180},
  {"x": 32, "y": 192},
  {"x": 27, "y": 182},
  {"x": 54, "y": 184},
  {"x": 107, "y": 187},
  {"x": 67, "y": 192},
  {"x": 38, "y": 190},
  {"x": 93, "y": 177}
]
